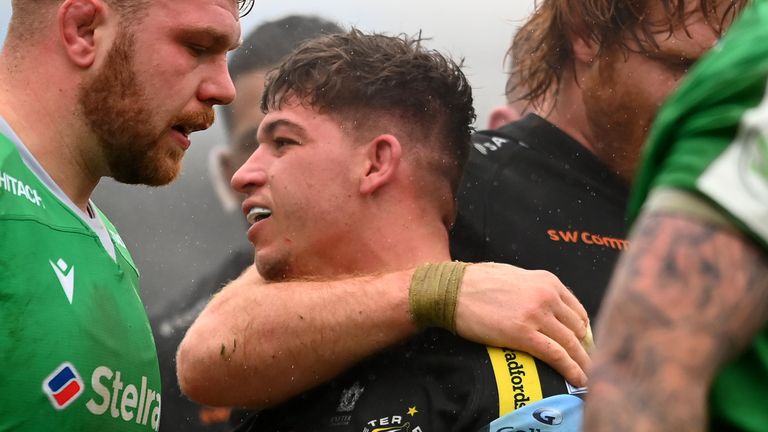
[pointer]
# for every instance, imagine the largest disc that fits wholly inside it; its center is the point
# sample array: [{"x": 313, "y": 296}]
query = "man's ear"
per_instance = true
[
  {"x": 78, "y": 21},
  {"x": 584, "y": 51},
  {"x": 501, "y": 115},
  {"x": 382, "y": 158}
]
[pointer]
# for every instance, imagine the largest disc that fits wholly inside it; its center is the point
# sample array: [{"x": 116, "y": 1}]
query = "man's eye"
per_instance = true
[
  {"x": 282, "y": 142},
  {"x": 683, "y": 63},
  {"x": 197, "y": 50}
]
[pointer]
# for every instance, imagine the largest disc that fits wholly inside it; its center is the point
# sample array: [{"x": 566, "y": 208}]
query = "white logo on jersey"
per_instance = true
[
  {"x": 66, "y": 277},
  {"x": 494, "y": 144},
  {"x": 117, "y": 239},
  {"x": 131, "y": 402},
  {"x": 17, "y": 187},
  {"x": 349, "y": 397}
]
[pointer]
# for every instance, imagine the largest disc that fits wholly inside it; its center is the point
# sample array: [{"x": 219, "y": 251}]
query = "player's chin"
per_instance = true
[
  {"x": 163, "y": 169},
  {"x": 270, "y": 268}
]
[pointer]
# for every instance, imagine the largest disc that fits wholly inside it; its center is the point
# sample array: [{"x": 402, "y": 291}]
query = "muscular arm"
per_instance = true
[
  {"x": 685, "y": 298},
  {"x": 257, "y": 344}
]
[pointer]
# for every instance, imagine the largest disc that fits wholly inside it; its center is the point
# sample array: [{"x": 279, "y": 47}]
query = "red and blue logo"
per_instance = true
[{"x": 63, "y": 386}]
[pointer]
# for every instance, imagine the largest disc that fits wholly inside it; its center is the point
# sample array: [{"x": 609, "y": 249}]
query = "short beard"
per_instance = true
[
  {"x": 275, "y": 271},
  {"x": 618, "y": 117},
  {"x": 116, "y": 109}
]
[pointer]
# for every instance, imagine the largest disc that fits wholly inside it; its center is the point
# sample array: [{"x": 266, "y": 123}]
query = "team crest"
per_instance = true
[{"x": 349, "y": 397}]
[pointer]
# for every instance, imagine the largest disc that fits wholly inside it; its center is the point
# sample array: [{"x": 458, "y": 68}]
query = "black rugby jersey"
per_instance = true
[
  {"x": 434, "y": 382},
  {"x": 169, "y": 328},
  {"x": 533, "y": 197}
]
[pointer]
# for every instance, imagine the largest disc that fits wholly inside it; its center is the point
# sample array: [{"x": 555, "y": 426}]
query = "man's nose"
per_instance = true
[
  {"x": 217, "y": 87},
  {"x": 251, "y": 175}
]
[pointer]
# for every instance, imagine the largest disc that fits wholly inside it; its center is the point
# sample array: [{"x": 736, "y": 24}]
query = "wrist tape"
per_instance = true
[{"x": 433, "y": 294}]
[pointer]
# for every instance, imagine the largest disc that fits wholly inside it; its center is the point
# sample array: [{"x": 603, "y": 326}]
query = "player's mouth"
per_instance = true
[
  {"x": 182, "y": 136},
  {"x": 257, "y": 214},
  {"x": 185, "y": 129},
  {"x": 182, "y": 129}
]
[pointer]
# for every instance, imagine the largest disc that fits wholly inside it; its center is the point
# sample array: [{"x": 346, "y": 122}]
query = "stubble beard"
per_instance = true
[
  {"x": 115, "y": 108},
  {"x": 273, "y": 269},
  {"x": 619, "y": 119}
]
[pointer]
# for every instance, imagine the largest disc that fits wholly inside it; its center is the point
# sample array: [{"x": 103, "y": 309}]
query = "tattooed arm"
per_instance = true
[{"x": 685, "y": 298}]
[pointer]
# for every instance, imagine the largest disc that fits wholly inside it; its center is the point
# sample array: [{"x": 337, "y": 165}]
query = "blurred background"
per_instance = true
[{"x": 179, "y": 232}]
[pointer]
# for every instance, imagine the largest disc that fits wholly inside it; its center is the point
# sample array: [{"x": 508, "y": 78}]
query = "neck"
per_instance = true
[
  {"x": 407, "y": 242},
  {"x": 568, "y": 114},
  {"x": 383, "y": 241},
  {"x": 40, "y": 108}
]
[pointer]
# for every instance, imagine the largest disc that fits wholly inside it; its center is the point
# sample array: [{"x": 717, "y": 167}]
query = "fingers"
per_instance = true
[
  {"x": 554, "y": 354},
  {"x": 558, "y": 333},
  {"x": 562, "y": 324},
  {"x": 573, "y": 319},
  {"x": 564, "y": 330},
  {"x": 543, "y": 317},
  {"x": 568, "y": 309}
]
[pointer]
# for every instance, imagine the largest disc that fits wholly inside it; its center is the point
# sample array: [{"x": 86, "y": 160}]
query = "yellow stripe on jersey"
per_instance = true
[{"x": 517, "y": 378}]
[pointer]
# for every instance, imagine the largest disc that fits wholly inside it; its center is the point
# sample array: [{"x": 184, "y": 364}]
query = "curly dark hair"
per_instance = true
[
  {"x": 377, "y": 83},
  {"x": 542, "y": 51}
]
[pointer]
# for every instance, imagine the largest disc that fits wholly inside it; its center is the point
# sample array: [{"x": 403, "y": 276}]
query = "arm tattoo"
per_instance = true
[{"x": 685, "y": 299}]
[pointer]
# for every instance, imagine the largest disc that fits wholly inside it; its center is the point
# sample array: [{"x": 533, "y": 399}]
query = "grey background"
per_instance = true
[{"x": 178, "y": 233}]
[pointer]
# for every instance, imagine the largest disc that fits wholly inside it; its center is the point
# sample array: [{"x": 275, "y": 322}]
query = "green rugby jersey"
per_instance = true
[
  {"x": 77, "y": 351},
  {"x": 711, "y": 136},
  {"x": 711, "y": 139}
]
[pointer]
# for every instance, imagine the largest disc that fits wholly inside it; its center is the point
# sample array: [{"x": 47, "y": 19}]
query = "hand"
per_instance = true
[{"x": 527, "y": 310}]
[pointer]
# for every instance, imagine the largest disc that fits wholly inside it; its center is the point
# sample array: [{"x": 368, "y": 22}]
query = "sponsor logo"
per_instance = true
[
  {"x": 213, "y": 415},
  {"x": 587, "y": 238},
  {"x": 16, "y": 187},
  {"x": 66, "y": 276},
  {"x": 548, "y": 416},
  {"x": 349, "y": 398},
  {"x": 120, "y": 400},
  {"x": 493, "y": 144},
  {"x": 517, "y": 378},
  {"x": 560, "y": 412},
  {"x": 126, "y": 401},
  {"x": 516, "y": 374},
  {"x": 63, "y": 386}
]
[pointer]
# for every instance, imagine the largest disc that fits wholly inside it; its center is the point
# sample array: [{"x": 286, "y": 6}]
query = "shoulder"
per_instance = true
[
  {"x": 492, "y": 151},
  {"x": 20, "y": 190},
  {"x": 491, "y": 146},
  {"x": 518, "y": 144}
]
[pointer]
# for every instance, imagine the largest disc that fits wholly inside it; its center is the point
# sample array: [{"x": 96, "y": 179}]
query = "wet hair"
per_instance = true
[
  {"x": 376, "y": 83},
  {"x": 265, "y": 47},
  {"x": 542, "y": 46}
]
